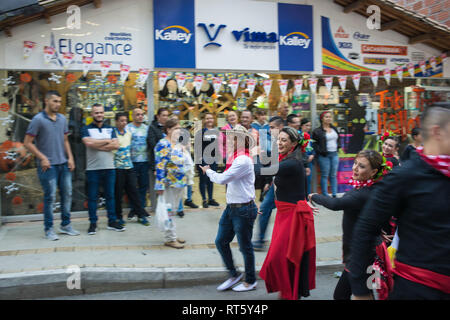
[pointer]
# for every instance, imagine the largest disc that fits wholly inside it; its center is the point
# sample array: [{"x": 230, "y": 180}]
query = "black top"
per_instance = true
[
  {"x": 290, "y": 179},
  {"x": 418, "y": 195},
  {"x": 352, "y": 202},
  {"x": 155, "y": 133},
  {"x": 394, "y": 161},
  {"x": 409, "y": 152},
  {"x": 320, "y": 140}
]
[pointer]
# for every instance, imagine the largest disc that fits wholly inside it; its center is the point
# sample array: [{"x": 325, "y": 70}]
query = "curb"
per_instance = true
[{"x": 89, "y": 280}]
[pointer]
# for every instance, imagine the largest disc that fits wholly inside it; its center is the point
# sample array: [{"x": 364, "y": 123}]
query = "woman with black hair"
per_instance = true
[
  {"x": 368, "y": 168},
  {"x": 326, "y": 146},
  {"x": 290, "y": 264}
]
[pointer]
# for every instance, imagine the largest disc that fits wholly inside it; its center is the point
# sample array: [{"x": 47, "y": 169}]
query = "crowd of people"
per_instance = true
[{"x": 402, "y": 198}]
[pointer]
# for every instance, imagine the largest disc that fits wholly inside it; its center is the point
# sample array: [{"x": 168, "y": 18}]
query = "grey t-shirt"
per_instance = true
[
  {"x": 49, "y": 136},
  {"x": 97, "y": 159}
]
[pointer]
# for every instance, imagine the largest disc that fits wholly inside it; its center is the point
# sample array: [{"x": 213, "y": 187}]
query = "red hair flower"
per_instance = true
[{"x": 389, "y": 164}]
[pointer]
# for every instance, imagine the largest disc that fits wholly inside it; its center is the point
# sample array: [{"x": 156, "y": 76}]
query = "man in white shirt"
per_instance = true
[{"x": 240, "y": 213}]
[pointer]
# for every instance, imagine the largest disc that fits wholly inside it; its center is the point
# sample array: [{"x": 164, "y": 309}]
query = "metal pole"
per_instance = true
[{"x": 150, "y": 99}]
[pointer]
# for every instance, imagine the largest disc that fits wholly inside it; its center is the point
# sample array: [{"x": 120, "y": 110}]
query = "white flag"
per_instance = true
[
  {"x": 67, "y": 59},
  {"x": 313, "y": 84},
  {"x": 234, "y": 83},
  {"x": 49, "y": 52},
  {"x": 198, "y": 81},
  {"x": 399, "y": 72},
  {"x": 423, "y": 67},
  {"x": 387, "y": 75},
  {"x": 217, "y": 84},
  {"x": 124, "y": 71},
  {"x": 298, "y": 84},
  {"x": 411, "y": 69},
  {"x": 86, "y": 63},
  {"x": 181, "y": 80},
  {"x": 342, "y": 82},
  {"x": 267, "y": 85},
  {"x": 162, "y": 78},
  {"x": 329, "y": 83},
  {"x": 251, "y": 84},
  {"x": 27, "y": 48},
  {"x": 374, "y": 77},
  {"x": 104, "y": 67},
  {"x": 433, "y": 62},
  {"x": 356, "y": 77},
  {"x": 283, "y": 86}
]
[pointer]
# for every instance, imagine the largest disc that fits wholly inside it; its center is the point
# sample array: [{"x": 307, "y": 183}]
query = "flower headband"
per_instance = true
[
  {"x": 386, "y": 166},
  {"x": 386, "y": 135}
]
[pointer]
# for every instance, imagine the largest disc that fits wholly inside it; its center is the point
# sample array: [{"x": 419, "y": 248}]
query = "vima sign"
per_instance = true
[{"x": 173, "y": 33}]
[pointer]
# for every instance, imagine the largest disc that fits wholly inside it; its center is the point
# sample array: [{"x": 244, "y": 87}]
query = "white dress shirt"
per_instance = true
[{"x": 240, "y": 178}]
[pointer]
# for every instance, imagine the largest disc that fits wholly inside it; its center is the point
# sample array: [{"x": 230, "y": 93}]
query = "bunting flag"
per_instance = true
[
  {"x": 423, "y": 67},
  {"x": 374, "y": 77},
  {"x": 217, "y": 84},
  {"x": 387, "y": 75},
  {"x": 433, "y": 62},
  {"x": 198, "y": 81},
  {"x": 67, "y": 59},
  {"x": 234, "y": 83},
  {"x": 124, "y": 71},
  {"x": 342, "y": 82},
  {"x": 443, "y": 56},
  {"x": 28, "y": 48},
  {"x": 143, "y": 75},
  {"x": 267, "y": 85},
  {"x": 399, "y": 72},
  {"x": 283, "y": 86},
  {"x": 356, "y": 77},
  {"x": 251, "y": 84},
  {"x": 411, "y": 69},
  {"x": 49, "y": 52},
  {"x": 104, "y": 67},
  {"x": 328, "y": 83},
  {"x": 312, "y": 84},
  {"x": 162, "y": 78},
  {"x": 298, "y": 83},
  {"x": 86, "y": 63},
  {"x": 181, "y": 80}
]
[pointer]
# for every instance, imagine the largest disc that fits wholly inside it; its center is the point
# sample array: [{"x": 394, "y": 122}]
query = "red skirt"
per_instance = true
[{"x": 290, "y": 264}]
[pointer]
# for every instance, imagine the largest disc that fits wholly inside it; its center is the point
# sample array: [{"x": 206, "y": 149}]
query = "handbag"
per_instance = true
[{"x": 163, "y": 221}]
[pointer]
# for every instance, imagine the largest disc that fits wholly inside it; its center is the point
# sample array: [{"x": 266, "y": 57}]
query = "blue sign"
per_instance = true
[
  {"x": 295, "y": 29},
  {"x": 174, "y": 36},
  {"x": 345, "y": 45}
]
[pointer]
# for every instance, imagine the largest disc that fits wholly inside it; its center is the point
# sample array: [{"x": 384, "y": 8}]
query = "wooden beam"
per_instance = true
[
  {"x": 390, "y": 25},
  {"x": 421, "y": 38},
  {"x": 47, "y": 17},
  {"x": 97, "y": 3},
  {"x": 354, "y": 6},
  {"x": 7, "y": 31}
]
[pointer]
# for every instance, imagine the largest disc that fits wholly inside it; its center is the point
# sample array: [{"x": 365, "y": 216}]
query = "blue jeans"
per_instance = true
[
  {"x": 142, "y": 174},
  {"x": 189, "y": 198},
  {"x": 107, "y": 178},
  {"x": 57, "y": 176},
  {"x": 266, "y": 208},
  {"x": 328, "y": 169},
  {"x": 239, "y": 222}
]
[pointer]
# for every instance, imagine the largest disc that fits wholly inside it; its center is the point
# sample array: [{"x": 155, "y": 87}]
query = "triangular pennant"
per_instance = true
[
  {"x": 298, "y": 84},
  {"x": 356, "y": 77},
  {"x": 28, "y": 48},
  {"x": 399, "y": 72},
  {"x": 67, "y": 59},
  {"x": 342, "y": 82},
  {"x": 104, "y": 68},
  {"x": 49, "y": 52},
  {"x": 423, "y": 67},
  {"x": 198, "y": 81},
  {"x": 251, "y": 84},
  {"x": 124, "y": 71},
  {"x": 433, "y": 62},
  {"x": 312, "y": 84},
  {"x": 234, "y": 83},
  {"x": 181, "y": 80},
  {"x": 267, "y": 85},
  {"x": 217, "y": 84},
  {"x": 328, "y": 83},
  {"x": 86, "y": 63},
  {"x": 283, "y": 86},
  {"x": 387, "y": 75},
  {"x": 162, "y": 78},
  {"x": 411, "y": 69},
  {"x": 374, "y": 77}
]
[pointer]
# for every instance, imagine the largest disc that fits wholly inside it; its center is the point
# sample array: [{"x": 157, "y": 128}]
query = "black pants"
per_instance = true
[
  {"x": 126, "y": 181},
  {"x": 205, "y": 183},
  {"x": 408, "y": 290},
  {"x": 343, "y": 290}
]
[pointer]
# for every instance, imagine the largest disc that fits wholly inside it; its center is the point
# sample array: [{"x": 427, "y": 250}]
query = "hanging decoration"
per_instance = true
[
  {"x": 143, "y": 75},
  {"x": 356, "y": 78},
  {"x": 49, "y": 52},
  {"x": 181, "y": 80},
  {"x": 298, "y": 83},
  {"x": 387, "y": 75},
  {"x": 433, "y": 62},
  {"x": 124, "y": 71},
  {"x": 374, "y": 77},
  {"x": 54, "y": 77},
  {"x": 104, "y": 68},
  {"x": 233, "y": 83},
  {"x": 162, "y": 78},
  {"x": 423, "y": 67},
  {"x": 71, "y": 78},
  {"x": 283, "y": 86},
  {"x": 251, "y": 84},
  {"x": 399, "y": 72},
  {"x": 8, "y": 81},
  {"x": 267, "y": 85},
  {"x": 17, "y": 200},
  {"x": 198, "y": 81},
  {"x": 10, "y": 176},
  {"x": 217, "y": 84},
  {"x": 112, "y": 79},
  {"x": 342, "y": 82},
  {"x": 411, "y": 69},
  {"x": 313, "y": 84},
  {"x": 67, "y": 59},
  {"x": 28, "y": 47},
  {"x": 25, "y": 77},
  {"x": 86, "y": 64}
]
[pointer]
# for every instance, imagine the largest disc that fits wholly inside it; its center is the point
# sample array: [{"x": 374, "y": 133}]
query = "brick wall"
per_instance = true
[{"x": 438, "y": 10}]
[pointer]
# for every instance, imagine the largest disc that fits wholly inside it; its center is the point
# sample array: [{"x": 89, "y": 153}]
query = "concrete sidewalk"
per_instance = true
[{"x": 31, "y": 266}]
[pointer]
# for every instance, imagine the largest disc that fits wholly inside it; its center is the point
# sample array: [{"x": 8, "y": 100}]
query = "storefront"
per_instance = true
[{"x": 196, "y": 56}]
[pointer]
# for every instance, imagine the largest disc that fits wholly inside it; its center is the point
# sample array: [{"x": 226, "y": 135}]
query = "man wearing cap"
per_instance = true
[{"x": 240, "y": 212}]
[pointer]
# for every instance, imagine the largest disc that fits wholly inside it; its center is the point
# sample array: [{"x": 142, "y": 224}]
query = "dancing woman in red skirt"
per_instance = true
[{"x": 290, "y": 264}]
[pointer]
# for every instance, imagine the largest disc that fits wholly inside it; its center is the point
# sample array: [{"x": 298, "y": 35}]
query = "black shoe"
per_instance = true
[
  {"x": 131, "y": 215},
  {"x": 92, "y": 229},
  {"x": 116, "y": 226},
  {"x": 180, "y": 214},
  {"x": 213, "y": 203},
  {"x": 190, "y": 204},
  {"x": 205, "y": 204}
]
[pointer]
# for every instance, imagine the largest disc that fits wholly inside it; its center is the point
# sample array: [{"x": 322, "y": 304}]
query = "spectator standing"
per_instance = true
[
  {"x": 139, "y": 154},
  {"x": 100, "y": 140},
  {"x": 305, "y": 126},
  {"x": 54, "y": 162},
  {"x": 155, "y": 133},
  {"x": 125, "y": 175}
]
